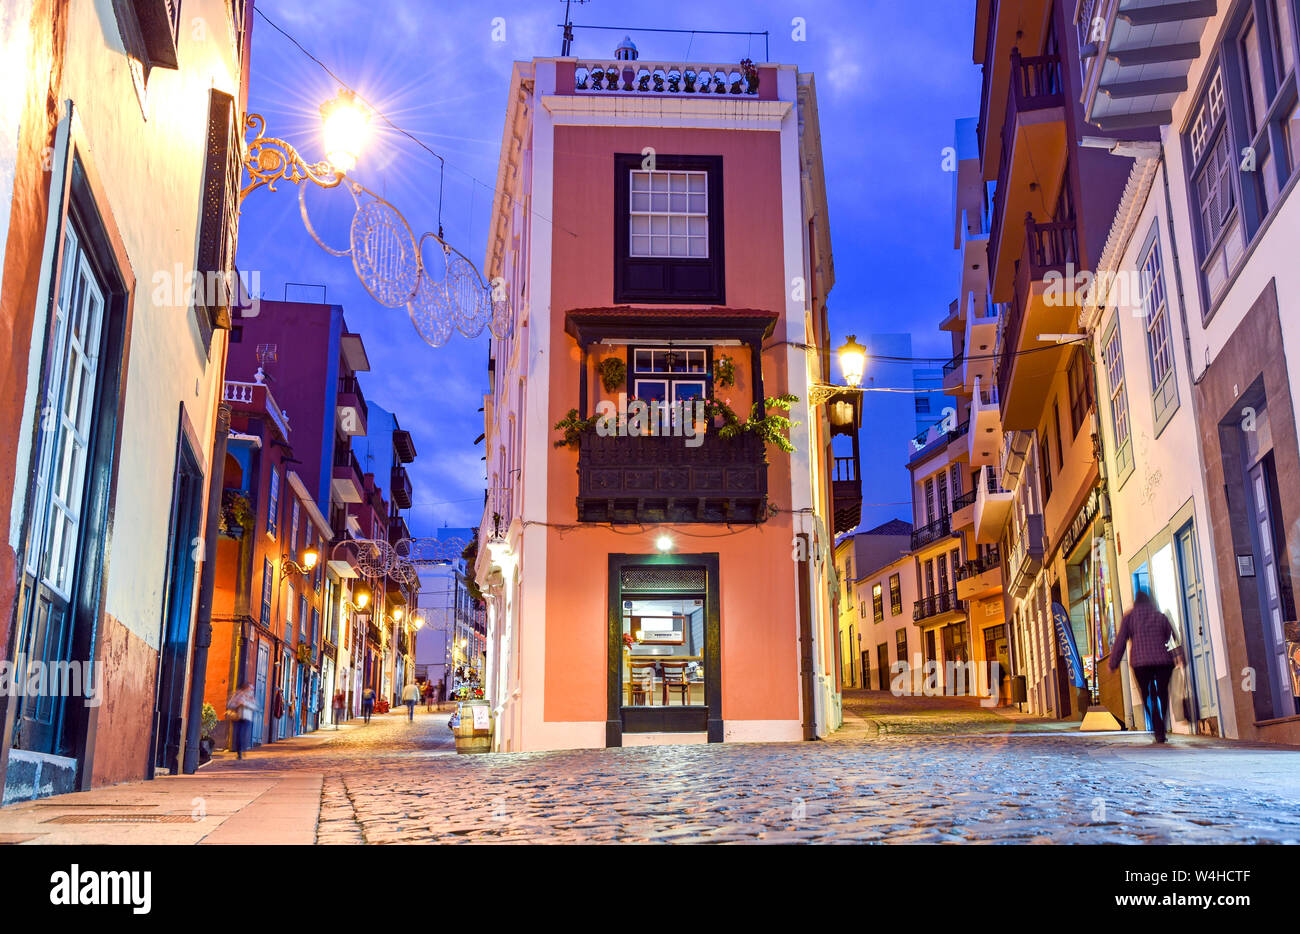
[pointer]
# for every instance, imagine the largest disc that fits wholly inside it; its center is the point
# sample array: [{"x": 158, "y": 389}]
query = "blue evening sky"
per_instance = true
[{"x": 891, "y": 79}]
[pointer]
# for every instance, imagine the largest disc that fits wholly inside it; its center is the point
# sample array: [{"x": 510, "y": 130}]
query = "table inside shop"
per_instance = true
[{"x": 695, "y": 692}]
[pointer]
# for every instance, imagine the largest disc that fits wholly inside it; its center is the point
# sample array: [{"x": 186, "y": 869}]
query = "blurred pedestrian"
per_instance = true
[
  {"x": 340, "y": 702},
  {"x": 1149, "y": 637},
  {"x": 428, "y": 697},
  {"x": 367, "y": 703},
  {"x": 410, "y": 694},
  {"x": 239, "y": 714}
]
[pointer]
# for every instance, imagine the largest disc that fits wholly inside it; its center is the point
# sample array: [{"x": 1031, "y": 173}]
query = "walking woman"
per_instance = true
[
  {"x": 367, "y": 703},
  {"x": 240, "y": 710},
  {"x": 1148, "y": 635}
]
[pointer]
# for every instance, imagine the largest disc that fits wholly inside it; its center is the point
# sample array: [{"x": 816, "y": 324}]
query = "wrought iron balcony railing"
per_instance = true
[{"x": 937, "y": 605}]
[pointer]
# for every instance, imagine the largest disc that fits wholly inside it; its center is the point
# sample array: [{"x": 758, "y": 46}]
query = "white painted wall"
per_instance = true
[{"x": 148, "y": 152}]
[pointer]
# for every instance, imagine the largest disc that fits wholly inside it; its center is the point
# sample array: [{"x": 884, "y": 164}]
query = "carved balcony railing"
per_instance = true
[{"x": 661, "y": 479}]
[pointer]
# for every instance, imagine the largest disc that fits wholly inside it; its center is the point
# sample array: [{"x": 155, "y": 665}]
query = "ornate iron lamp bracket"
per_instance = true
[{"x": 268, "y": 160}]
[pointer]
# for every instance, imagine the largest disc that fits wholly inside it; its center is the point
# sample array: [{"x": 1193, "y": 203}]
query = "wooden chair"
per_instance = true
[
  {"x": 675, "y": 680},
  {"x": 640, "y": 682}
]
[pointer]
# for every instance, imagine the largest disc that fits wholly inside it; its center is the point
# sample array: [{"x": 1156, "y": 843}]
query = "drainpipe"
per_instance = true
[{"x": 207, "y": 583}]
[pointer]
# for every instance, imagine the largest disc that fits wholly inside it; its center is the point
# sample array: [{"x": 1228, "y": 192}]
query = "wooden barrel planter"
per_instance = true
[{"x": 473, "y": 733}]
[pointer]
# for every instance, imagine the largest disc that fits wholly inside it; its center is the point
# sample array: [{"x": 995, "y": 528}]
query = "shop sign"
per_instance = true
[
  {"x": 1081, "y": 522},
  {"x": 481, "y": 718}
]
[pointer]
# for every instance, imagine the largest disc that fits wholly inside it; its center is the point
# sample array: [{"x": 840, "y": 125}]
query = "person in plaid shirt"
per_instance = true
[{"x": 1148, "y": 636}]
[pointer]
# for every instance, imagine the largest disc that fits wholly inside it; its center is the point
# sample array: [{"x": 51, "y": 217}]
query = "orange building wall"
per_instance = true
[{"x": 756, "y": 573}]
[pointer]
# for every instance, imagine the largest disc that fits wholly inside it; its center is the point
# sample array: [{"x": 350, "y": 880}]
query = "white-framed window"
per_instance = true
[
  {"x": 273, "y": 503},
  {"x": 670, "y": 376},
  {"x": 1155, "y": 312},
  {"x": 1113, "y": 359},
  {"x": 669, "y": 214},
  {"x": 66, "y": 420}
]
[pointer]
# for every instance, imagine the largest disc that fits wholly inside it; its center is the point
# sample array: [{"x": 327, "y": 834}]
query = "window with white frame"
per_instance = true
[
  {"x": 669, "y": 214},
  {"x": 1155, "y": 313},
  {"x": 1113, "y": 360},
  {"x": 670, "y": 377},
  {"x": 1241, "y": 143}
]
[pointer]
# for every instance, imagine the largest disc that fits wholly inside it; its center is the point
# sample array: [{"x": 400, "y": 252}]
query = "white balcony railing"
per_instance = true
[
  {"x": 242, "y": 393},
  {"x": 665, "y": 78}
]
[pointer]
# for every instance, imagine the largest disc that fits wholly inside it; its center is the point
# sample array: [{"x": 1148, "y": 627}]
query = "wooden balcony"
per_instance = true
[
  {"x": 846, "y": 494},
  {"x": 399, "y": 487},
  {"x": 631, "y": 480}
]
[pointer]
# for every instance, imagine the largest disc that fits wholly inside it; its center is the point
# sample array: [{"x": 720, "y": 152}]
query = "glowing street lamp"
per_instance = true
[
  {"x": 309, "y": 558},
  {"x": 268, "y": 159},
  {"x": 344, "y": 123},
  {"x": 853, "y": 361}
]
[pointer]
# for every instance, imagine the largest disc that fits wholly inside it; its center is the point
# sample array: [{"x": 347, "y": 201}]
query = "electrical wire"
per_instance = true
[{"x": 894, "y": 359}]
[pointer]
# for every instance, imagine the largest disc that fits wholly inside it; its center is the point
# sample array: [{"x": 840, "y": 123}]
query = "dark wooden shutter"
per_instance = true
[
  {"x": 149, "y": 29},
  {"x": 219, "y": 215}
]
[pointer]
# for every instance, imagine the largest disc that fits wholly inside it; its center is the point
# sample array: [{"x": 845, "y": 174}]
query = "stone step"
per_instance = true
[{"x": 32, "y": 775}]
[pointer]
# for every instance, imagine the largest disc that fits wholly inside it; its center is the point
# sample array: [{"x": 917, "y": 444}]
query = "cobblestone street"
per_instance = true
[{"x": 912, "y": 771}]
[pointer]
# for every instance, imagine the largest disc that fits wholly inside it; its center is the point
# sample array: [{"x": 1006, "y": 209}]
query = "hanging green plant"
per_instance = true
[
  {"x": 724, "y": 372},
  {"x": 773, "y": 428},
  {"x": 574, "y": 428},
  {"x": 613, "y": 371}
]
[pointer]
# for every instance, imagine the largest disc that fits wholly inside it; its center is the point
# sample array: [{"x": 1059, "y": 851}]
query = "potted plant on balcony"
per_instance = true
[
  {"x": 773, "y": 428},
  {"x": 574, "y": 428},
  {"x": 613, "y": 371},
  {"x": 724, "y": 372},
  {"x": 750, "y": 74}
]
